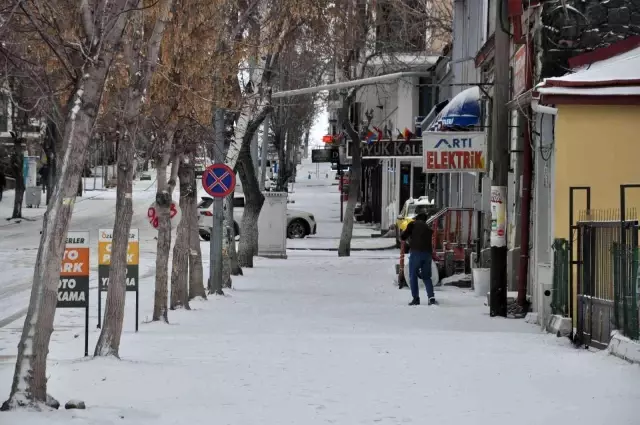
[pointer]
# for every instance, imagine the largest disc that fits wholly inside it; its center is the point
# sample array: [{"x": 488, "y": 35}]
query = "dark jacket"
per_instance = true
[
  {"x": 3, "y": 180},
  {"x": 419, "y": 233}
]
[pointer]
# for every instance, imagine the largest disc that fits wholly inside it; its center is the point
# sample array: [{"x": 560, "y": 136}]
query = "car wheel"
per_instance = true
[{"x": 297, "y": 229}]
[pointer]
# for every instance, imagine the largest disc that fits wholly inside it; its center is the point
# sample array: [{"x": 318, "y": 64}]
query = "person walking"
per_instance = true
[
  {"x": 3, "y": 183},
  {"x": 419, "y": 233}
]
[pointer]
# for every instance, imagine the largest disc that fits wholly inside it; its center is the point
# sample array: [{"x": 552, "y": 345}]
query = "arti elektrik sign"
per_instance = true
[{"x": 449, "y": 152}]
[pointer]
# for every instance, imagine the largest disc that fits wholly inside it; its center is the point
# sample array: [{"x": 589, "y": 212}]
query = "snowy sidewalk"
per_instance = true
[
  {"x": 317, "y": 339},
  {"x": 317, "y": 197}
]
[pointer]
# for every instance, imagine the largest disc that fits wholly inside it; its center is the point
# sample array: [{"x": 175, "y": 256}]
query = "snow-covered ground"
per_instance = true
[{"x": 320, "y": 339}]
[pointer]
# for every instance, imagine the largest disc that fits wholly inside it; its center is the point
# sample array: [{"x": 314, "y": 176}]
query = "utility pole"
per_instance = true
[
  {"x": 215, "y": 236},
  {"x": 264, "y": 152},
  {"x": 499, "y": 166}
]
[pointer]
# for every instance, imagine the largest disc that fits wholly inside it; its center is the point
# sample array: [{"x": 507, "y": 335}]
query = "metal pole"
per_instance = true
[
  {"x": 340, "y": 191},
  {"x": 500, "y": 159},
  {"x": 215, "y": 237},
  {"x": 351, "y": 83},
  {"x": 263, "y": 153}
]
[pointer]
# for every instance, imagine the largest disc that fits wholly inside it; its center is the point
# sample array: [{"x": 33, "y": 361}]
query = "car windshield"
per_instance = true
[
  {"x": 205, "y": 203},
  {"x": 414, "y": 210}
]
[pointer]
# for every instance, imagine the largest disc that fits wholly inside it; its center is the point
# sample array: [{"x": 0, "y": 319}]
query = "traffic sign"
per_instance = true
[
  {"x": 174, "y": 214},
  {"x": 219, "y": 180}
]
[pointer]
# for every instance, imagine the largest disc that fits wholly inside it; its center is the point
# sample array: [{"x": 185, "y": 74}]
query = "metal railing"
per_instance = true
[{"x": 625, "y": 293}]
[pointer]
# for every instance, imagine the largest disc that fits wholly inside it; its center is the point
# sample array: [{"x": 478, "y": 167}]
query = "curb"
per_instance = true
[
  {"x": 36, "y": 217},
  {"x": 624, "y": 348},
  {"x": 336, "y": 249}
]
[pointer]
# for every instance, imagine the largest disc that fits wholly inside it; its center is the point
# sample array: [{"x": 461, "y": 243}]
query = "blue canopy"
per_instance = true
[{"x": 462, "y": 111}]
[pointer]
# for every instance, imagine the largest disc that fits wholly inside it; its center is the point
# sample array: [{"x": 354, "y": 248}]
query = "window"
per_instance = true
[
  {"x": 414, "y": 210},
  {"x": 205, "y": 203}
]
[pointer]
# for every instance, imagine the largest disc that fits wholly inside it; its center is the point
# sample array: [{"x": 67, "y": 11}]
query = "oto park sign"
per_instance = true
[
  {"x": 451, "y": 152},
  {"x": 105, "y": 239},
  {"x": 73, "y": 288}
]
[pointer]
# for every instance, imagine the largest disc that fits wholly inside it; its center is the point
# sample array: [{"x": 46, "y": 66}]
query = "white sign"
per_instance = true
[
  {"x": 454, "y": 151},
  {"x": 174, "y": 213},
  {"x": 498, "y": 216},
  {"x": 519, "y": 71}
]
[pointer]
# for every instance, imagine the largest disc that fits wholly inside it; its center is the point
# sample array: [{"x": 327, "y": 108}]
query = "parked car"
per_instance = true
[
  {"x": 300, "y": 224},
  {"x": 411, "y": 208},
  {"x": 205, "y": 216}
]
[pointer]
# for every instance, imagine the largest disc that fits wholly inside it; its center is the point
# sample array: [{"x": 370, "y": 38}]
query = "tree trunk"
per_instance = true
[
  {"x": 227, "y": 241},
  {"x": 180, "y": 264},
  {"x": 163, "y": 204},
  {"x": 50, "y": 144},
  {"x": 29, "y": 385},
  {"x": 355, "y": 176},
  {"x": 235, "y": 269},
  {"x": 109, "y": 340},
  {"x": 254, "y": 199},
  {"x": 17, "y": 161},
  {"x": 196, "y": 274}
]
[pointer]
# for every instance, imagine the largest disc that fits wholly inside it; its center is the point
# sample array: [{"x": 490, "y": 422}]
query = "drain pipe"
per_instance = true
[{"x": 527, "y": 171}]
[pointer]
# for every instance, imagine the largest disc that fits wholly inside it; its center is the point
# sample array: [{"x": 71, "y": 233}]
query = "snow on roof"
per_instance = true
[
  {"x": 592, "y": 91},
  {"x": 615, "y": 76}
]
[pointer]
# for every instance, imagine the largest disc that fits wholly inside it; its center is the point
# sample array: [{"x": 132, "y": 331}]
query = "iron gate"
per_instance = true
[{"x": 598, "y": 262}]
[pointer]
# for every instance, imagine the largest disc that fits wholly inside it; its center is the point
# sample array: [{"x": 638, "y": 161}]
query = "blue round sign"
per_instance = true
[{"x": 219, "y": 180}]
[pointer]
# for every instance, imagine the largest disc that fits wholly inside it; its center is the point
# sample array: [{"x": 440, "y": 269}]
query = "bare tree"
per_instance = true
[
  {"x": 100, "y": 31},
  {"x": 141, "y": 67}
]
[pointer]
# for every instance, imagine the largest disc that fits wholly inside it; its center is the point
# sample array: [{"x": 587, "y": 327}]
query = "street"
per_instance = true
[{"x": 312, "y": 339}]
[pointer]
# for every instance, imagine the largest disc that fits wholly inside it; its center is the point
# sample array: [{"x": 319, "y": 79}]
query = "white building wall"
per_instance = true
[
  {"x": 469, "y": 35},
  {"x": 541, "y": 257}
]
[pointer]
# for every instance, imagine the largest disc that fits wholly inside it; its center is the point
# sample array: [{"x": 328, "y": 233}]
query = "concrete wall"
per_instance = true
[{"x": 596, "y": 146}]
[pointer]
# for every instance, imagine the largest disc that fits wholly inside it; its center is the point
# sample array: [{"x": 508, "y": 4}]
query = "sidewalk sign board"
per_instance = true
[
  {"x": 105, "y": 239},
  {"x": 73, "y": 288}
]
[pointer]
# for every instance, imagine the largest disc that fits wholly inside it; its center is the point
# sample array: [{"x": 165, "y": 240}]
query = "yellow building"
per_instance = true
[{"x": 596, "y": 150}]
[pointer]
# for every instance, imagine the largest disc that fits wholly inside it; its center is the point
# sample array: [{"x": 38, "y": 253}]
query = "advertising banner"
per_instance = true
[
  {"x": 105, "y": 239},
  {"x": 453, "y": 151},
  {"x": 73, "y": 289},
  {"x": 498, "y": 216}
]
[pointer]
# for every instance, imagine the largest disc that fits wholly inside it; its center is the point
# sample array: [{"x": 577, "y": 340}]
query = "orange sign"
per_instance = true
[{"x": 73, "y": 289}]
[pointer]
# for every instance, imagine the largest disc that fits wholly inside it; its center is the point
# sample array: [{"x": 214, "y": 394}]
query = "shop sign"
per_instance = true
[
  {"x": 454, "y": 151},
  {"x": 390, "y": 149}
]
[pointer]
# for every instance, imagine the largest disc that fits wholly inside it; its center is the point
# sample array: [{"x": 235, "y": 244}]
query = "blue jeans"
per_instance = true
[{"x": 419, "y": 260}]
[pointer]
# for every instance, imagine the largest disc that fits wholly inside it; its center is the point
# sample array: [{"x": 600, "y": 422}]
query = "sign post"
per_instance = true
[
  {"x": 219, "y": 181},
  {"x": 105, "y": 240},
  {"x": 73, "y": 288}
]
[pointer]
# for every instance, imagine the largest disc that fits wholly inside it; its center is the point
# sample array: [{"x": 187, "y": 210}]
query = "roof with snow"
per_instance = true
[{"x": 612, "y": 76}]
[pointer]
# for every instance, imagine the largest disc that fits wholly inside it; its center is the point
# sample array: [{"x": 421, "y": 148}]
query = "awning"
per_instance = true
[
  {"x": 461, "y": 112},
  {"x": 433, "y": 113}
]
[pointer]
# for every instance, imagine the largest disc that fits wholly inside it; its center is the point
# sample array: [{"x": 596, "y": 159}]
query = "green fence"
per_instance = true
[
  {"x": 625, "y": 282},
  {"x": 560, "y": 290}
]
